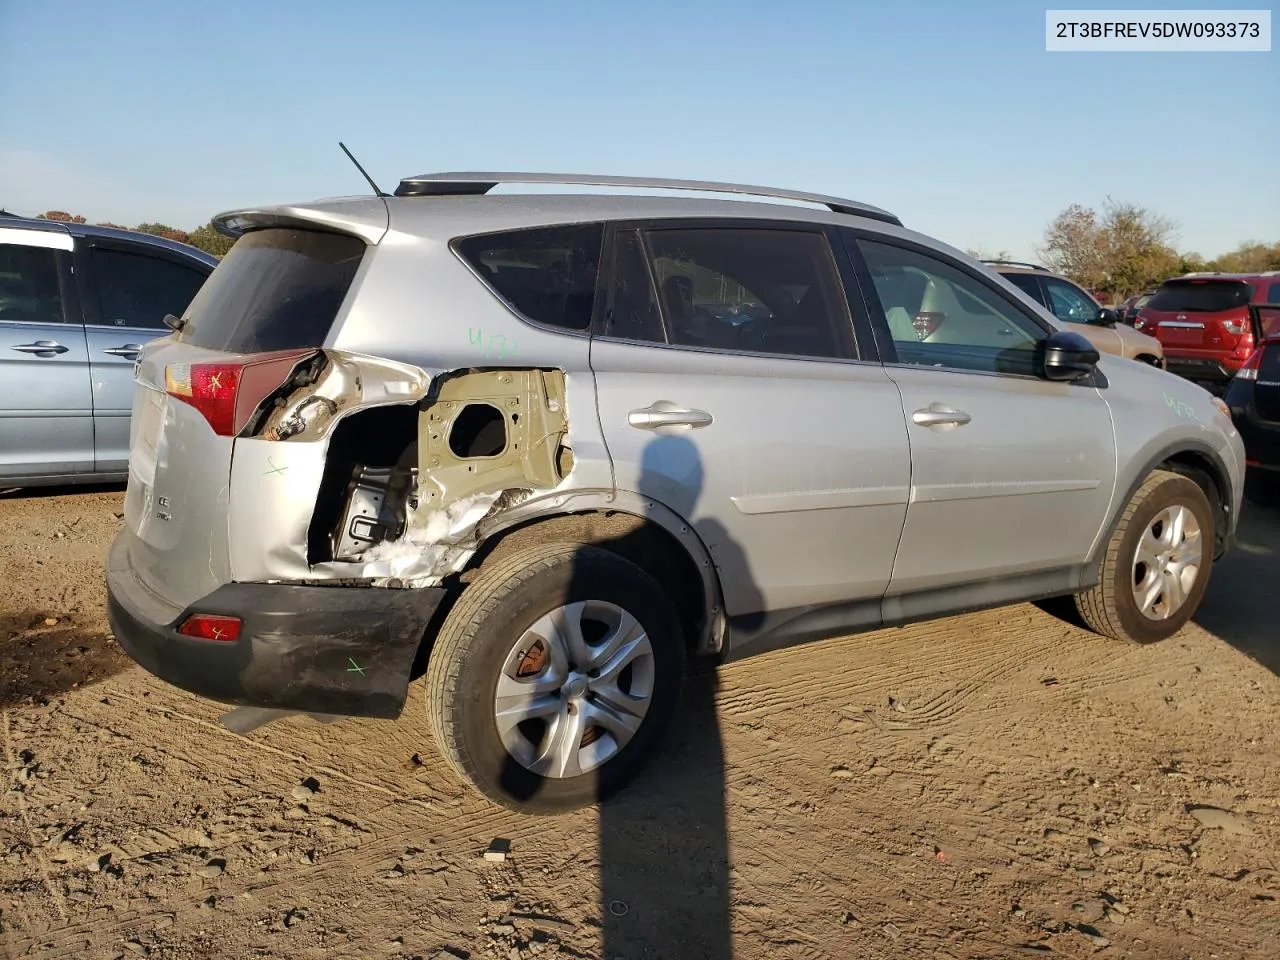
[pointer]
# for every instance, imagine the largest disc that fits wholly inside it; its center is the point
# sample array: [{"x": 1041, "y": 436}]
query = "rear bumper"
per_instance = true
[
  {"x": 325, "y": 650},
  {"x": 1199, "y": 368}
]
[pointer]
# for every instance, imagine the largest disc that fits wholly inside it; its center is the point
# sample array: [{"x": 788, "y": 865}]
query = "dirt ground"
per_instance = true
[{"x": 1000, "y": 784}]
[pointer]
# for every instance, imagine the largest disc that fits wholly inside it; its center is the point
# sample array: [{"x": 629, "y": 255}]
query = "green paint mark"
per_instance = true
[
  {"x": 355, "y": 667},
  {"x": 274, "y": 468}
]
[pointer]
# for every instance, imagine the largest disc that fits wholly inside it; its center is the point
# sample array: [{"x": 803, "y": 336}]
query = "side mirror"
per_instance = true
[
  {"x": 1068, "y": 356},
  {"x": 1108, "y": 317}
]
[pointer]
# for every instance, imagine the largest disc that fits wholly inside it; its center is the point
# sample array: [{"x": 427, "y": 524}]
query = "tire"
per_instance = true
[
  {"x": 488, "y": 631},
  {"x": 1111, "y": 607}
]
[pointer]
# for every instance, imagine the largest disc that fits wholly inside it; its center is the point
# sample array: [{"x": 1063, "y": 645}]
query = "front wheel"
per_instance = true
[
  {"x": 554, "y": 676},
  {"x": 1155, "y": 569}
]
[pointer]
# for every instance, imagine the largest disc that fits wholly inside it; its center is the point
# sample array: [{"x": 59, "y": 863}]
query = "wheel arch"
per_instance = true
[
  {"x": 1198, "y": 462},
  {"x": 636, "y": 527}
]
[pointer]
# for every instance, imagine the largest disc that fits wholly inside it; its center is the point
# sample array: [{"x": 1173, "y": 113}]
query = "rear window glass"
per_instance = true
[
  {"x": 1200, "y": 296},
  {"x": 277, "y": 289},
  {"x": 547, "y": 274}
]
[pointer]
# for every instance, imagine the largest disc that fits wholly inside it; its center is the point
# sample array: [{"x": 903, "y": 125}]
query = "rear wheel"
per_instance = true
[
  {"x": 554, "y": 677},
  {"x": 1156, "y": 565}
]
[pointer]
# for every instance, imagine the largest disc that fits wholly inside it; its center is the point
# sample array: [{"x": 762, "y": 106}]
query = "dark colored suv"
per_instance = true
[
  {"x": 1211, "y": 323},
  {"x": 1254, "y": 399}
]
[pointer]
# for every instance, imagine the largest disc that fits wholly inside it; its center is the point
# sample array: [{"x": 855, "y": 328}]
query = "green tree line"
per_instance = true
[
  {"x": 1125, "y": 249},
  {"x": 204, "y": 237}
]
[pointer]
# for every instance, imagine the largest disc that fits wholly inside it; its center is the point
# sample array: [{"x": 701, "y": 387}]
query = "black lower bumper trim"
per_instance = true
[{"x": 332, "y": 650}]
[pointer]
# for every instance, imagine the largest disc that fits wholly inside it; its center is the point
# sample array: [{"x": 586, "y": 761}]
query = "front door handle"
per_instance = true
[
  {"x": 129, "y": 351},
  {"x": 663, "y": 413},
  {"x": 940, "y": 415},
  {"x": 41, "y": 348}
]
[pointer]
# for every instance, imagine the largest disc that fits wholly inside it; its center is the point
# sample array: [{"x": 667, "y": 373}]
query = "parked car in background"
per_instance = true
[
  {"x": 1254, "y": 400},
  {"x": 1072, "y": 304},
  {"x": 555, "y": 445},
  {"x": 77, "y": 303},
  {"x": 1128, "y": 310},
  {"x": 1211, "y": 323}
]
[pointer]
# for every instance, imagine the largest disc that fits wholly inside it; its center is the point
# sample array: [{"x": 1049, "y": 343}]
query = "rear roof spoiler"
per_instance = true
[{"x": 478, "y": 184}]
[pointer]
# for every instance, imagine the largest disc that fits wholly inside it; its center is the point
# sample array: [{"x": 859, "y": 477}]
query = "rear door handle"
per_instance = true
[
  {"x": 940, "y": 415},
  {"x": 129, "y": 351},
  {"x": 663, "y": 413},
  {"x": 41, "y": 348}
]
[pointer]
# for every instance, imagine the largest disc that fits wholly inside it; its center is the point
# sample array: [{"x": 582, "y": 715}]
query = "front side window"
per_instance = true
[
  {"x": 136, "y": 290},
  {"x": 1069, "y": 303},
  {"x": 547, "y": 274},
  {"x": 939, "y": 315},
  {"x": 753, "y": 290},
  {"x": 29, "y": 284}
]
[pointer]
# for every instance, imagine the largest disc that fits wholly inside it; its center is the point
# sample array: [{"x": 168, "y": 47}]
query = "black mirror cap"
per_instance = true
[
  {"x": 1068, "y": 356},
  {"x": 1108, "y": 317}
]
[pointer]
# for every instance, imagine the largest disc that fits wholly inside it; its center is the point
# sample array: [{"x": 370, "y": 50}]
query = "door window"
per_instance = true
[
  {"x": 753, "y": 290},
  {"x": 1068, "y": 303},
  {"x": 939, "y": 315},
  {"x": 137, "y": 290},
  {"x": 29, "y": 290}
]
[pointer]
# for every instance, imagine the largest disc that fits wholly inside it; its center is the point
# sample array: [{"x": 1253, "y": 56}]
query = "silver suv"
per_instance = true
[{"x": 547, "y": 447}]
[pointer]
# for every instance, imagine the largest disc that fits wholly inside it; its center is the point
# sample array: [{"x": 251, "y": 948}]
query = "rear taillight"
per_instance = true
[
  {"x": 1250, "y": 369},
  {"x": 927, "y": 322},
  {"x": 208, "y": 626},
  {"x": 228, "y": 393}
]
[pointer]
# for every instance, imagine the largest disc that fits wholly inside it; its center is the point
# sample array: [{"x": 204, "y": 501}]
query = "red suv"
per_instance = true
[{"x": 1210, "y": 323}]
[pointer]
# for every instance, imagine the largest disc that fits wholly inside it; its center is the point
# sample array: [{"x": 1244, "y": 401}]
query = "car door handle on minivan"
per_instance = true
[
  {"x": 940, "y": 415},
  {"x": 667, "y": 414},
  {"x": 129, "y": 351},
  {"x": 41, "y": 348}
]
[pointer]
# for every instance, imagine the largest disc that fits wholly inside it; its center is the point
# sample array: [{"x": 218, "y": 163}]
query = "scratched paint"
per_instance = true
[{"x": 495, "y": 346}]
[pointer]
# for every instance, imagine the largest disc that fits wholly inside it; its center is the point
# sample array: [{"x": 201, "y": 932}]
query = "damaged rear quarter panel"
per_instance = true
[{"x": 419, "y": 306}]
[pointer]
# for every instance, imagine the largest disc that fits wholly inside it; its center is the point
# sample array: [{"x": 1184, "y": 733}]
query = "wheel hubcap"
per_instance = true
[
  {"x": 1166, "y": 564},
  {"x": 574, "y": 689}
]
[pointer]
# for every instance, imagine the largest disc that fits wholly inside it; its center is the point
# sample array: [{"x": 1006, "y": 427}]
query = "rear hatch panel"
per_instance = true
[{"x": 1200, "y": 316}]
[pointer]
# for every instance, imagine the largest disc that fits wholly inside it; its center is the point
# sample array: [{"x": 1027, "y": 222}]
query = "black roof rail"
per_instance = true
[
  {"x": 1018, "y": 263},
  {"x": 474, "y": 184}
]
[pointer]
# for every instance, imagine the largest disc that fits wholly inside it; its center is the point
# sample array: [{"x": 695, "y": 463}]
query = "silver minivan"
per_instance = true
[
  {"x": 77, "y": 303},
  {"x": 545, "y": 448}
]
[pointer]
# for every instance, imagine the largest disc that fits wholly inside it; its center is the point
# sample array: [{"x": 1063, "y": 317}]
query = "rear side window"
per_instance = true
[
  {"x": 277, "y": 289},
  {"x": 1027, "y": 283},
  {"x": 546, "y": 274},
  {"x": 136, "y": 290},
  {"x": 1200, "y": 296},
  {"x": 29, "y": 284},
  {"x": 1273, "y": 293}
]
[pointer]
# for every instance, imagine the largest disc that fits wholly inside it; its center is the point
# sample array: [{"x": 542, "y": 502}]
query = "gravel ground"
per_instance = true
[{"x": 999, "y": 784}]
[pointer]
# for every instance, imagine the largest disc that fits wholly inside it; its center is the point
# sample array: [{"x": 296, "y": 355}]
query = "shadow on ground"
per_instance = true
[
  {"x": 1242, "y": 605},
  {"x": 44, "y": 657}
]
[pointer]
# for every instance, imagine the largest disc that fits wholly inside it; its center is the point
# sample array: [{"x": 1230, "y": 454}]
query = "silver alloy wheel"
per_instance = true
[
  {"x": 574, "y": 689},
  {"x": 1167, "y": 562}
]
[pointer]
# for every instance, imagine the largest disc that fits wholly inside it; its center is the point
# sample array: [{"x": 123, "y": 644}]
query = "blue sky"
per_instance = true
[{"x": 951, "y": 115}]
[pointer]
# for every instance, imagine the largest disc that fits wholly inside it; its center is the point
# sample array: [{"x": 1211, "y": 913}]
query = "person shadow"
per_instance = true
[{"x": 664, "y": 837}]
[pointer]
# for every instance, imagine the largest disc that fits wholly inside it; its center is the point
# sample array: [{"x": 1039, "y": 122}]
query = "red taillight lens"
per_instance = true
[
  {"x": 209, "y": 387},
  {"x": 228, "y": 393},
  {"x": 927, "y": 322},
  {"x": 1250, "y": 369},
  {"x": 207, "y": 626}
]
